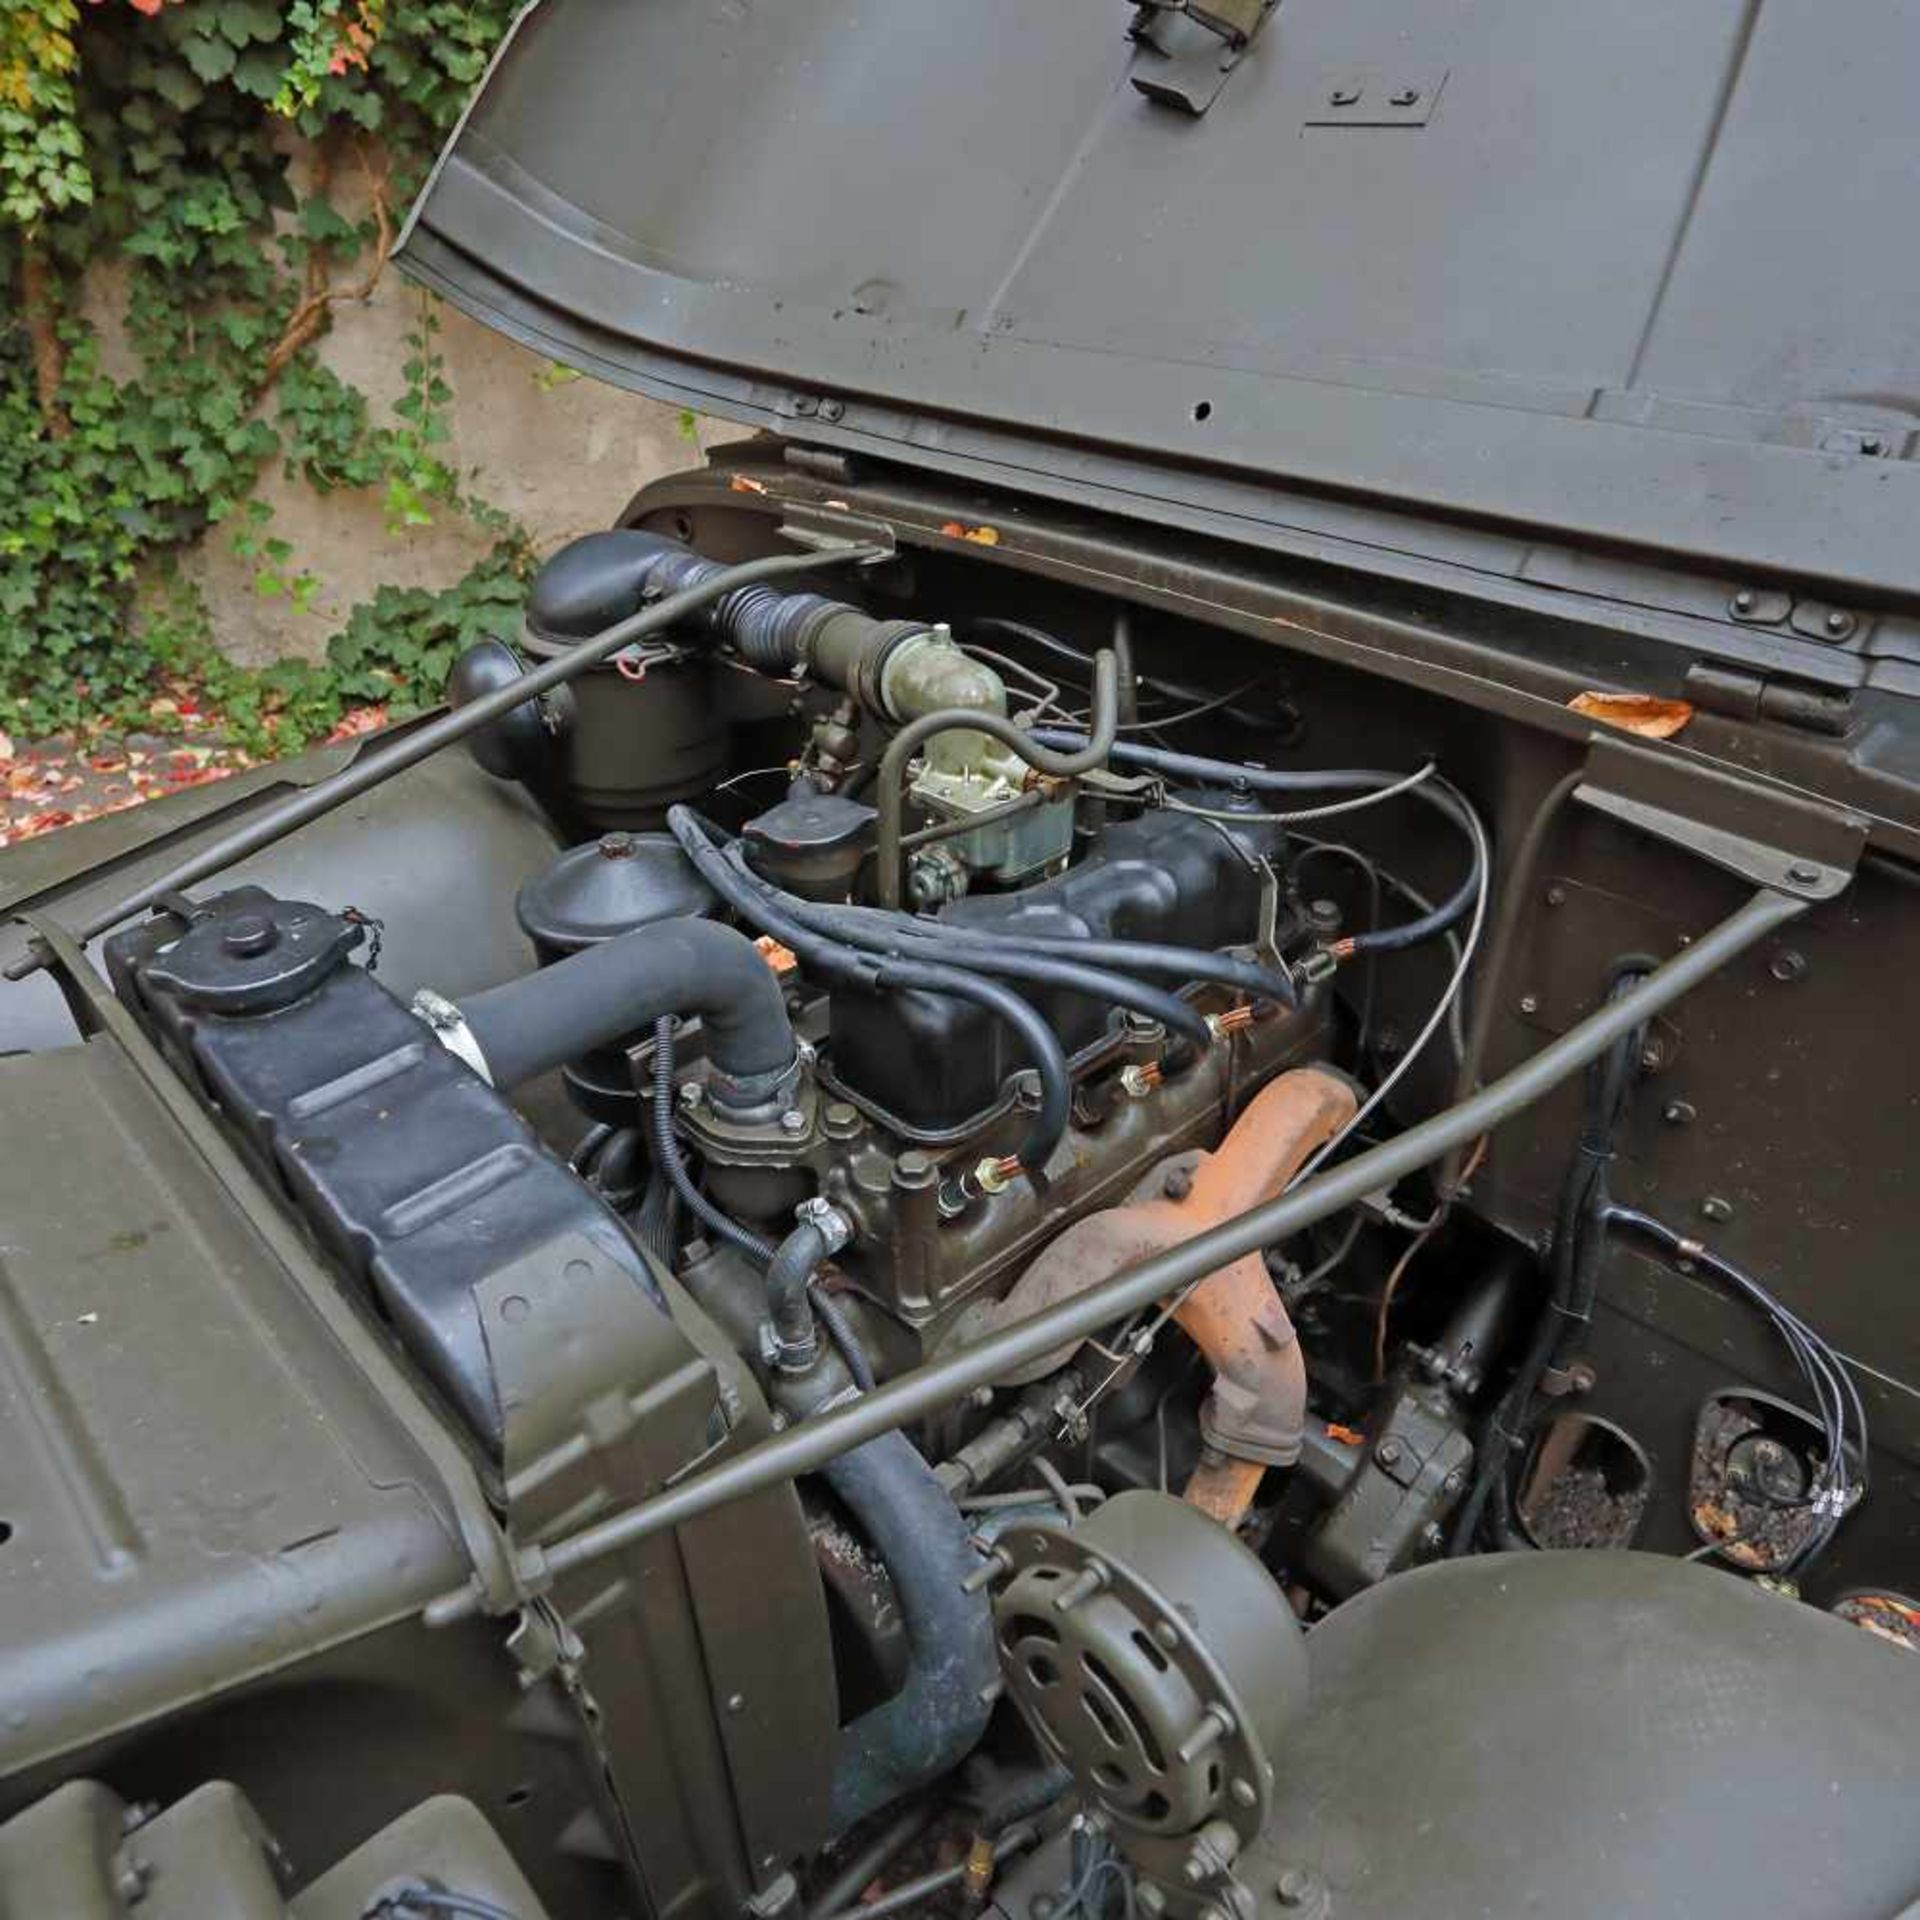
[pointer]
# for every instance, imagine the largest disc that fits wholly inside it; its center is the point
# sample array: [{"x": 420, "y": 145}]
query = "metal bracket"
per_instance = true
[
  {"x": 1771, "y": 838},
  {"x": 825, "y": 528},
  {"x": 1194, "y": 45}
]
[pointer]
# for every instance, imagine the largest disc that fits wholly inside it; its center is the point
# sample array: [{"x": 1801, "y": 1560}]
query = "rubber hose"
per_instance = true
[
  {"x": 592, "y": 998},
  {"x": 666, "y": 1153},
  {"x": 1432, "y": 793},
  {"x": 941, "y": 1710},
  {"x": 833, "y": 960},
  {"x": 789, "y": 1274}
]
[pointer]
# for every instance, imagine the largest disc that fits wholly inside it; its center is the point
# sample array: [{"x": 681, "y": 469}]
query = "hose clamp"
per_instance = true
[
  {"x": 833, "y": 1226},
  {"x": 450, "y": 1028}
]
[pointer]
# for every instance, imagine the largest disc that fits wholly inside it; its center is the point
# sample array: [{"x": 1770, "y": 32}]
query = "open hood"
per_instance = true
[{"x": 1460, "y": 278}]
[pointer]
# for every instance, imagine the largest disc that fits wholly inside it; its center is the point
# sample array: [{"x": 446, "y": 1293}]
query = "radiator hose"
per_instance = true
[
  {"x": 594, "y": 997},
  {"x": 940, "y": 1712}
]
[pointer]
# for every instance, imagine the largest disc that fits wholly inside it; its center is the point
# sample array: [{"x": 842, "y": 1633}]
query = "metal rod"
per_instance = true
[
  {"x": 808, "y": 1446},
  {"x": 311, "y": 803}
]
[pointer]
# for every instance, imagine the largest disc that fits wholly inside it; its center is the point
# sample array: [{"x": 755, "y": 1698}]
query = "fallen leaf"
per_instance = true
[
  {"x": 6, "y": 746},
  {"x": 1644, "y": 714}
]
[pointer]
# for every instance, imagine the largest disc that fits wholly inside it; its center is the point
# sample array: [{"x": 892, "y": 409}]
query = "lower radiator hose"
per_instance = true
[{"x": 939, "y": 1714}]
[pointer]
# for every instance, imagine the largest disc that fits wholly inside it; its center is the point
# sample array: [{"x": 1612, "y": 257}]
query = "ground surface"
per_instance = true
[{"x": 49, "y": 784}]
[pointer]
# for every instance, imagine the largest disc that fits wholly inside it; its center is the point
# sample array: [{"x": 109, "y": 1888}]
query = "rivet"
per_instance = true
[
  {"x": 1404, "y": 97},
  {"x": 1803, "y": 873},
  {"x": 1344, "y": 97}
]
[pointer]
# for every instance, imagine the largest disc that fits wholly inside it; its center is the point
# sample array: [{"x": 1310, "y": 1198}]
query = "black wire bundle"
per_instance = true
[
  {"x": 1579, "y": 1237},
  {"x": 1840, "y": 1478},
  {"x": 1587, "y": 1214}
]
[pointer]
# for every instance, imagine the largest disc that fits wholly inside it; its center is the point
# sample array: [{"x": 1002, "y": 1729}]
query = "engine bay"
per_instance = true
[{"x": 1084, "y": 1234}]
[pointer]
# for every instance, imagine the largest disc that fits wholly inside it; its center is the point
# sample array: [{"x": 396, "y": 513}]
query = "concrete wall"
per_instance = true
[{"x": 561, "y": 455}]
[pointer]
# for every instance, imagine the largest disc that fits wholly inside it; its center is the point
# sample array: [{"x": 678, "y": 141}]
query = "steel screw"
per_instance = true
[
  {"x": 690, "y": 1094},
  {"x": 1679, "y": 1113},
  {"x": 1717, "y": 1209},
  {"x": 1556, "y": 896},
  {"x": 1745, "y": 600},
  {"x": 1787, "y": 965},
  {"x": 1294, "y": 1887},
  {"x": 1529, "y": 1003},
  {"x": 1803, "y": 873},
  {"x": 1839, "y": 624},
  {"x": 793, "y": 1121},
  {"x": 1453, "y": 1482},
  {"x": 1388, "y": 1453}
]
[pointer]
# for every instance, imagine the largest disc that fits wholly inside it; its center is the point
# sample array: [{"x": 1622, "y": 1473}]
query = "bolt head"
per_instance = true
[
  {"x": 1294, "y": 1887},
  {"x": 1803, "y": 873},
  {"x": 1679, "y": 1113},
  {"x": 1713, "y": 1207},
  {"x": 1787, "y": 966},
  {"x": 793, "y": 1121},
  {"x": 249, "y": 935},
  {"x": 1744, "y": 601},
  {"x": 616, "y": 846},
  {"x": 1556, "y": 896},
  {"x": 1178, "y": 1184},
  {"x": 1839, "y": 622},
  {"x": 1388, "y": 1453},
  {"x": 690, "y": 1094},
  {"x": 1529, "y": 1003}
]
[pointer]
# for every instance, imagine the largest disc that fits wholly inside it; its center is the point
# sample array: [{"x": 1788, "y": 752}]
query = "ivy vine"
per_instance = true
[{"x": 160, "y": 134}]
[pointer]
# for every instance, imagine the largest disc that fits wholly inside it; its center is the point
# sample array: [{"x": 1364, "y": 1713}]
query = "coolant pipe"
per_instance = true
[
  {"x": 591, "y": 998},
  {"x": 941, "y": 1710},
  {"x": 807, "y": 1446}
]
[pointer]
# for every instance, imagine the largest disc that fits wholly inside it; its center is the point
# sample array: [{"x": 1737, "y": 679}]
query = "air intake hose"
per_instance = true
[{"x": 604, "y": 577}]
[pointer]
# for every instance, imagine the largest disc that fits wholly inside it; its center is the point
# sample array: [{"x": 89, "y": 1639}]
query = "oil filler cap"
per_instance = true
[{"x": 247, "y": 952}]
